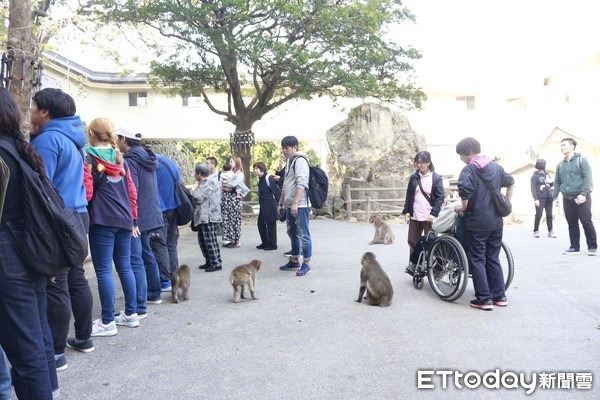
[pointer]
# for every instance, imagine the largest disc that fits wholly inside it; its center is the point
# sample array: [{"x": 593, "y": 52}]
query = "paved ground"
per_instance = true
[{"x": 306, "y": 338}]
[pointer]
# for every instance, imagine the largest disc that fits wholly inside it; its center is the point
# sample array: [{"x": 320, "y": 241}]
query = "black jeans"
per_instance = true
[
  {"x": 580, "y": 212},
  {"x": 545, "y": 204},
  {"x": 267, "y": 232},
  {"x": 165, "y": 246},
  {"x": 68, "y": 293}
]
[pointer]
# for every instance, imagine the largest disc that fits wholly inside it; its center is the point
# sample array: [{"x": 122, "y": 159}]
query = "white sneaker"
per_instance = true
[
  {"x": 100, "y": 329},
  {"x": 131, "y": 321},
  {"x": 157, "y": 301}
]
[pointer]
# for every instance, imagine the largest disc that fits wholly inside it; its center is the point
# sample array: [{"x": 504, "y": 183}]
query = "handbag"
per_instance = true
[
  {"x": 446, "y": 219},
  {"x": 243, "y": 189},
  {"x": 185, "y": 210},
  {"x": 501, "y": 203}
]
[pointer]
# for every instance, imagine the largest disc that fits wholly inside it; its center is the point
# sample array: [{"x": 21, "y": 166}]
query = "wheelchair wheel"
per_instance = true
[
  {"x": 448, "y": 268},
  {"x": 418, "y": 281},
  {"x": 508, "y": 265}
]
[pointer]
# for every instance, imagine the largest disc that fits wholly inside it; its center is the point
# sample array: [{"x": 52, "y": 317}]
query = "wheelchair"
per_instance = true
[{"x": 444, "y": 262}]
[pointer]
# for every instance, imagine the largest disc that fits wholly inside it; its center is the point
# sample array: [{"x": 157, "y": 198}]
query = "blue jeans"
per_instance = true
[
  {"x": 152, "y": 274},
  {"x": 108, "y": 244},
  {"x": 137, "y": 266},
  {"x": 25, "y": 335},
  {"x": 165, "y": 246},
  {"x": 5, "y": 392},
  {"x": 299, "y": 233}
]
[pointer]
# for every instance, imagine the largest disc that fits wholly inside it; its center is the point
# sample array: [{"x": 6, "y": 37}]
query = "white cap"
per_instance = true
[{"x": 128, "y": 134}]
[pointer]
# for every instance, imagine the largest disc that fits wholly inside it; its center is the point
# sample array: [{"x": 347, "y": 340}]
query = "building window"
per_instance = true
[
  {"x": 468, "y": 100},
  {"x": 191, "y": 100},
  {"x": 138, "y": 99}
]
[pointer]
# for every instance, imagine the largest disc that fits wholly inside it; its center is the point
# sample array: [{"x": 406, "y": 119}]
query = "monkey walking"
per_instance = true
[
  {"x": 180, "y": 283},
  {"x": 383, "y": 232},
  {"x": 244, "y": 275},
  {"x": 375, "y": 281}
]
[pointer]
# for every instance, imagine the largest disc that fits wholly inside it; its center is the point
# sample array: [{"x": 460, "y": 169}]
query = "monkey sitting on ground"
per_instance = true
[
  {"x": 180, "y": 283},
  {"x": 383, "y": 232},
  {"x": 375, "y": 281},
  {"x": 244, "y": 275}
]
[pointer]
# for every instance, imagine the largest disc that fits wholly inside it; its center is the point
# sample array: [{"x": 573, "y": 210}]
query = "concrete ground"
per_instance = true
[{"x": 306, "y": 337}]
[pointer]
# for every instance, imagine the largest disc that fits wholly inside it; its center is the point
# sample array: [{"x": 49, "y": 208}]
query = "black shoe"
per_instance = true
[
  {"x": 270, "y": 248},
  {"x": 486, "y": 305},
  {"x": 287, "y": 254},
  {"x": 204, "y": 266},
  {"x": 61, "y": 363},
  {"x": 212, "y": 269},
  {"x": 410, "y": 270},
  {"x": 85, "y": 346},
  {"x": 261, "y": 246}
]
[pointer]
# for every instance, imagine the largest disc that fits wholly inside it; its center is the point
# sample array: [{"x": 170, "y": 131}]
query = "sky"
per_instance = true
[{"x": 509, "y": 45}]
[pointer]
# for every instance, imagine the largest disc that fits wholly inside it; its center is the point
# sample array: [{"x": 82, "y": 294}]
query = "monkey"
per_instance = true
[
  {"x": 383, "y": 232},
  {"x": 244, "y": 275},
  {"x": 180, "y": 283},
  {"x": 375, "y": 281}
]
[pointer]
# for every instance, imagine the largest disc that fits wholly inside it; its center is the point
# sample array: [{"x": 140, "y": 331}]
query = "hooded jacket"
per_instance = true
[
  {"x": 481, "y": 214},
  {"x": 114, "y": 198},
  {"x": 60, "y": 143},
  {"x": 296, "y": 175},
  {"x": 540, "y": 190},
  {"x": 572, "y": 180},
  {"x": 143, "y": 163}
]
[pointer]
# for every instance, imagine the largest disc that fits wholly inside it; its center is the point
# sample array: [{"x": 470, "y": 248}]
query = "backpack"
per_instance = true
[
  {"x": 185, "y": 210},
  {"x": 318, "y": 185},
  {"x": 54, "y": 237}
]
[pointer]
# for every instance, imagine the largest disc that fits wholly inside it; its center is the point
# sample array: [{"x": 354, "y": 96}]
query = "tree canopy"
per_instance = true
[{"x": 263, "y": 53}]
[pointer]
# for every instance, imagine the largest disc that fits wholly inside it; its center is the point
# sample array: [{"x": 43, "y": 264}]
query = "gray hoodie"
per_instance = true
[{"x": 296, "y": 175}]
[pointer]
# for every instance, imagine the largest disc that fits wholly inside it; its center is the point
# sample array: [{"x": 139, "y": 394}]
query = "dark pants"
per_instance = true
[
  {"x": 424, "y": 243},
  {"x": 484, "y": 264},
  {"x": 24, "y": 332},
  {"x": 545, "y": 204},
  {"x": 152, "y": 274},
  {"x": 580, "y": 212},
  {"x": 207, "y": 239},
  {"x": 68, "y": 293},
  {"x": 165, "y": 246},
  {"x": 267, "y": 232},
  {"x": 415, "y": 230}
]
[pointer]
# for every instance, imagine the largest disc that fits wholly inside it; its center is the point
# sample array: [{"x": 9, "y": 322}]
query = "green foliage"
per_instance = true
[{"x": 263, "y": 53}]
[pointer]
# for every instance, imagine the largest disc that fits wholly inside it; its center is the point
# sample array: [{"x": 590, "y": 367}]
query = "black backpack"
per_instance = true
[
  {"x": 54, "y": 237},
  {"x": 318, "y": 185},
  {"x": 184, "y": 211}
]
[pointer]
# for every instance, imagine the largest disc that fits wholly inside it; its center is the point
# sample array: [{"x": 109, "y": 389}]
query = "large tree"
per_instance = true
[{"x": 263, "y": 53}]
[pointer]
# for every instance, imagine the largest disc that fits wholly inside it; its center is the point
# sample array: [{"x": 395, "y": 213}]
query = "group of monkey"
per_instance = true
[{"x": 373, "y": 278}]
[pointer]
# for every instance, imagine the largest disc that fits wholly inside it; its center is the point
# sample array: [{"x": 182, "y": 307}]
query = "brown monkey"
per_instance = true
[
  {"x": 383, "y": 232},
  {"x": 244, "y": 275},
  {"x": 375, "y": 281},
  {"x": 180, "y": 283}
]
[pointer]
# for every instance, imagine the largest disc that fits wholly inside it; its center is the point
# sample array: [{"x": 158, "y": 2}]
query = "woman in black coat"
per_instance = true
[
  {"x": 541, "y": 190},
  {"x": 268, "y": 199}
]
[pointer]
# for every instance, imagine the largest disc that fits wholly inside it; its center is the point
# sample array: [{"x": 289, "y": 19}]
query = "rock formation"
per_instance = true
[{"x": 374, "y": 147}]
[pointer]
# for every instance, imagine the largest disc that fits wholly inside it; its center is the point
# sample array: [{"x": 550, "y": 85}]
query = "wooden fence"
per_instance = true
[{"x": 388, "y": 206}]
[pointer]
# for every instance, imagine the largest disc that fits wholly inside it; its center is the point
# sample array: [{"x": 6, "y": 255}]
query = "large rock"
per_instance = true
[{"x": 374, "y": 147}]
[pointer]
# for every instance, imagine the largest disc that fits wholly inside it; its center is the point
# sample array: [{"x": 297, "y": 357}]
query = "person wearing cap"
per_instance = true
[
  {"x": 424, "y": 200},
  {"x": 143, "y": 164},
  {"x": 541, "y": 190},
  {"x": 58, "y": 136}
]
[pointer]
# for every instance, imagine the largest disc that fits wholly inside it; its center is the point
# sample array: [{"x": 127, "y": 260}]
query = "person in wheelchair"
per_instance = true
[{"x": 483, "y": 222}]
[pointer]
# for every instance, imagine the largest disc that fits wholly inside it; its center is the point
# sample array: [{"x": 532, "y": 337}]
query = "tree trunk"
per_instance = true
[
  {"x": 22, "y": 47},
  {"x": 242, "y": 143}
]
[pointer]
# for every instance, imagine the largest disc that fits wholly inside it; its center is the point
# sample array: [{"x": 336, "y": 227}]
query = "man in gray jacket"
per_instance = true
[{"x": 295, "y": 201}]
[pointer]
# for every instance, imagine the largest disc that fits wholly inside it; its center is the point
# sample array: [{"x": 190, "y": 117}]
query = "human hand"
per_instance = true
[
  {"x": 135, "y": 232},
  {"x": 581, "y": 199},
  {"x": 537, "y": 203}
]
